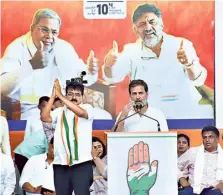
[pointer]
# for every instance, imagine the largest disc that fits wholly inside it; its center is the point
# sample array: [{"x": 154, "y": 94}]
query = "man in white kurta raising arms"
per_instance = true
[{"x": 72, "y": 139}]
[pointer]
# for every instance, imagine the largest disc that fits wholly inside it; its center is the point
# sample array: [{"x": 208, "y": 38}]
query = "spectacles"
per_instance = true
[{"x": 46, "y": 30}]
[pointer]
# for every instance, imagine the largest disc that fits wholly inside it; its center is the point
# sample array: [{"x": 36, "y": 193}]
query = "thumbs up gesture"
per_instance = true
[
  {"x": 42, "y": 57},
  {"x": 111, "y": 57},
  {"x": 181, "y": 54},
  {"x": 92, "y": 63}
]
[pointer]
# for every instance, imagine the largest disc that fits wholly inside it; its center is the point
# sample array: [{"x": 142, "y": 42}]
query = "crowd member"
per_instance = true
[
  {"x": 34, "y": 123},
  {"x": 203, "y": 165},
  {"x": 99, "y": 154},
  {"x": 35, "y": 141},
  {"x": 7, "y": 174},
  {"x": 57, "y": 103},
  {"x": 183, "y": 144},
  {"x": 38, "y": 173}
]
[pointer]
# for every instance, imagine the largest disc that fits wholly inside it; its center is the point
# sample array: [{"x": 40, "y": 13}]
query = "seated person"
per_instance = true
[
  {"x": 203, "y": 165},
  {"x": 183, "y": 144},
  {"x": 38, "y": 173},
  {"x": 35, "y": 141},
  {"x": 7, "y": 174},
  {"x": 99, "y": 154}
]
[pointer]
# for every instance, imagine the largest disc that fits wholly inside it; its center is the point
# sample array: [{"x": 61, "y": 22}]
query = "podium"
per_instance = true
[{"x": 142, "y": 163}]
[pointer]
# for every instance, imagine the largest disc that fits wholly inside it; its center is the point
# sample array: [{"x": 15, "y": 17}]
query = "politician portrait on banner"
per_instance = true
[{"x": 175, "y": 57}]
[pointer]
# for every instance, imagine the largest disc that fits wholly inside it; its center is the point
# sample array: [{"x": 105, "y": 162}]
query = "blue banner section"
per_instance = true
[{"x": 18, "y": 125}]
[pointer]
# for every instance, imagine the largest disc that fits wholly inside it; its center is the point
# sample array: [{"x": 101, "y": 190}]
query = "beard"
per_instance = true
[{"x": 152, "y": 40}]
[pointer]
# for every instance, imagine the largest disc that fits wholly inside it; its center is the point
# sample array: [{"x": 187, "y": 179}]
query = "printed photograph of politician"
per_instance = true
[{"x": 174, "y": 57}]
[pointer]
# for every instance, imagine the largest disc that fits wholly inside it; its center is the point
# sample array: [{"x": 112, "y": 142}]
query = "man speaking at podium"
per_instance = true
[{"x": 138, "y": 116}]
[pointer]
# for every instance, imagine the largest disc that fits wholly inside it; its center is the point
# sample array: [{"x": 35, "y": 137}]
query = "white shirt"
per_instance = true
[
  {"x": 8, "y": 176},
  {"x": 186, "y": 165},
  {"x": 32, "y": 84},
  {"x": 33, "y": 124},
  {"x": 138, "y": 123},
  {"x": 170, "y": 88},
  {"x": 210, "y": 169},
  {"x": 84, "y": 134},
  {"x": 38, "y": 172},
  {"x": 4, "y": 136}
]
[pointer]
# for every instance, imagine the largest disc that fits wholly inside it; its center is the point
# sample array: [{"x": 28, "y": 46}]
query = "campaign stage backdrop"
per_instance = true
[{"x": 186, "y": 19}]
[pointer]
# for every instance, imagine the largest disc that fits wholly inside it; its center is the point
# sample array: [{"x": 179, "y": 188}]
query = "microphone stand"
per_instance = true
[
  {"x": 158, "y": 124},
  {"x": 137, "y": 112},
  {"x": 116, "y": 126}
]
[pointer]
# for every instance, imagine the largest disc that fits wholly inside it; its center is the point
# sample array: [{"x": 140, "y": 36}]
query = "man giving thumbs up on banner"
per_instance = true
[
  {"x": 169, "y": 65},
  {"x": 33, "y": 61}
]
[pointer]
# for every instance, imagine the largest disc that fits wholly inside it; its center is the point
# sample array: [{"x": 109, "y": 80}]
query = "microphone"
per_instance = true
[{"x": 138, "y": 106}]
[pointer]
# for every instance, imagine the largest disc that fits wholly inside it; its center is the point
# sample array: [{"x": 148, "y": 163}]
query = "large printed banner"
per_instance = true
[{"x": 170, "y": 87}]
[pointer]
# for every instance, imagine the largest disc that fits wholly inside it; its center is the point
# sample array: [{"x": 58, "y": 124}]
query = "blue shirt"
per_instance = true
[{"x": 34, "y": 144}]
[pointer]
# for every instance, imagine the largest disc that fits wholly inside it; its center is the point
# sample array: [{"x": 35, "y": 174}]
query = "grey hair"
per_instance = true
[{"x": 44, "y": 13}]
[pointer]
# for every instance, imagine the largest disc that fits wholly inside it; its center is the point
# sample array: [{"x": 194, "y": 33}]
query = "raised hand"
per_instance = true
[
  {"x": 57, "y": 88},
  {"x": 141, "y": 175},
  {"x": 94, "y": 152},
  {"x": 53, "y": 93},
  {"x": 127, "y": 109},
  {"x": 182, "y": 55},
  {"x": 111, "y": 57},
  {"x": 42, "y": 58},
  {"x": 92, "y": 63}
]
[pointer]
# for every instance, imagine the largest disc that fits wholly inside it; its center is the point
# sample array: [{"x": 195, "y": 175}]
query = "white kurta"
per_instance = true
[
  {"x": 170, "y": 89},
  {"x": 32, "y": 84},
  {"x": 7, "y": 174},
  {"x": 4, "y": 137},
  {"x": 38, "y": 172},
  {"x": 138, "y": 123},
  {"x": 84, "y": 135}
]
